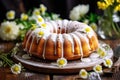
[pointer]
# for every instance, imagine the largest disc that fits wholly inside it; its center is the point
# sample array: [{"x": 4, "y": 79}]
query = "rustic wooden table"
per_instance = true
[{"x": 5, "y": 73}]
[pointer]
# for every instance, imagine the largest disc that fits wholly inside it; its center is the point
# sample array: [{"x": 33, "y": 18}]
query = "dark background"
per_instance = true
[{"x": 61, "y": 7}]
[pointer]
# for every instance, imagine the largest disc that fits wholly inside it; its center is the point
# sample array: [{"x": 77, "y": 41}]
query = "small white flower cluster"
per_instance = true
[
  {"x": 77, "y": 12},
  {"x": 101, "y": 52},
  {"x": 15, "y": 28}
]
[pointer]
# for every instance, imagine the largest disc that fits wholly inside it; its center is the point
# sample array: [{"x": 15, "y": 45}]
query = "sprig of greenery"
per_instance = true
[
  {"x": 6, "y": 58},
  {"x": 92, "y": 17}
]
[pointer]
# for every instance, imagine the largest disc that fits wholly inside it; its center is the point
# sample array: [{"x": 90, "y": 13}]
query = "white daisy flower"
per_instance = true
[
  {"x": 83, "y": 74},
  {"x": 88, "y": 31},
  {"x": 41, "y": 32},
  {"x": 36, "y": 12},
  {"x": 39, "y": 20},
  {"x": 77, "y": 12},
  {"x": 98, "y": 68},
  {"x": 24, "y": 16},
  {"x": 10, "y": 14},
  {"x": 61, "y": 62},
  {"x": 108, "y": 63},
  {"x": 43, "y": 8},
  {"x": 94, "y": 26},
  {"x": 16, "y": 69},
  {"x": 9, "y": 31},
  {"x": 102, "y": 53}
]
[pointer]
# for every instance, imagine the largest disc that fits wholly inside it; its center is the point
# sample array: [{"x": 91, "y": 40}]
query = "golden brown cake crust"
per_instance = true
[{"x": 62, "y": 42}]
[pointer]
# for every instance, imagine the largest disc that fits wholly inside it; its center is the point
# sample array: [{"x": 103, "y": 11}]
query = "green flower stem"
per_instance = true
[
  {"x": 6, "y": 60},
  {"x": 114, "y": 28},
  {"x": 118, "y": 28}
]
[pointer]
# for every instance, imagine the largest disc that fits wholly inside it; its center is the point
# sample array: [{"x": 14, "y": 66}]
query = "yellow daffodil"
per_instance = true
[
  {"x": 98, "y": 68},
  {"x": 10, "y": 14},
  {"x": 36, "y": 12},
  {"x": 41, "y": 33},
  {"x": 42, "y": 8},
  {"x": 83, "y": 74},
  {"x": 118, "y": 1},
  {"x": 16, "y": 69},
  {"x": 117, "y": 8},
  {"x": 24, "y": 16},
  {"x": 102, "y": 53},
  {"x": 109, "y": 2},
  {"x": 61, "y": 62},
  {"x": 108, "y": 63},
  {"x": 102, "y": 5}
]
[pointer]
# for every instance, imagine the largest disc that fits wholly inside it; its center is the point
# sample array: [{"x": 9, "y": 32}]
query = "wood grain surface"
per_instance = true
[{"x": 5, "y": 73}]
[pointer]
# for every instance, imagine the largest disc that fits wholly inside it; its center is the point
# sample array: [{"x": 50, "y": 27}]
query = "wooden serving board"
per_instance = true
[{"x": 50, "y": 67}]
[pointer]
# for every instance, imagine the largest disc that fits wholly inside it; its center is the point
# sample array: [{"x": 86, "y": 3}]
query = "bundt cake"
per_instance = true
[{"x": 62, "y": 38}]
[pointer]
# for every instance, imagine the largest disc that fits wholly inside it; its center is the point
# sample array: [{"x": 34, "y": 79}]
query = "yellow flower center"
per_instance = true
[
  {"x": 44, "y": 25},
  {"x": 87, "y": 29},
  {"x": 102, "y": 53},
  {"x": 43, "y": 9},
  {"x": 83, "y": 74},
  {"x": 98, "y": 68},
  {"x": 40, "y": 19},
  {"x": 108, "y": 62},
  {"x": 10, "y": 14},
  {"x": 8, "y": 29},
  {"x": 41, "y": 33},
  {"x": 37, "y": 13},
  {"x": 16, "y": 68},
  {"x": 61, "y": 62},
  {"x": 24, "y": 17}
]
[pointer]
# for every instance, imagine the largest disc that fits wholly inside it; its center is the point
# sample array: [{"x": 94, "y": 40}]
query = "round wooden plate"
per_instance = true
[{"x": 46, "y": 66}]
